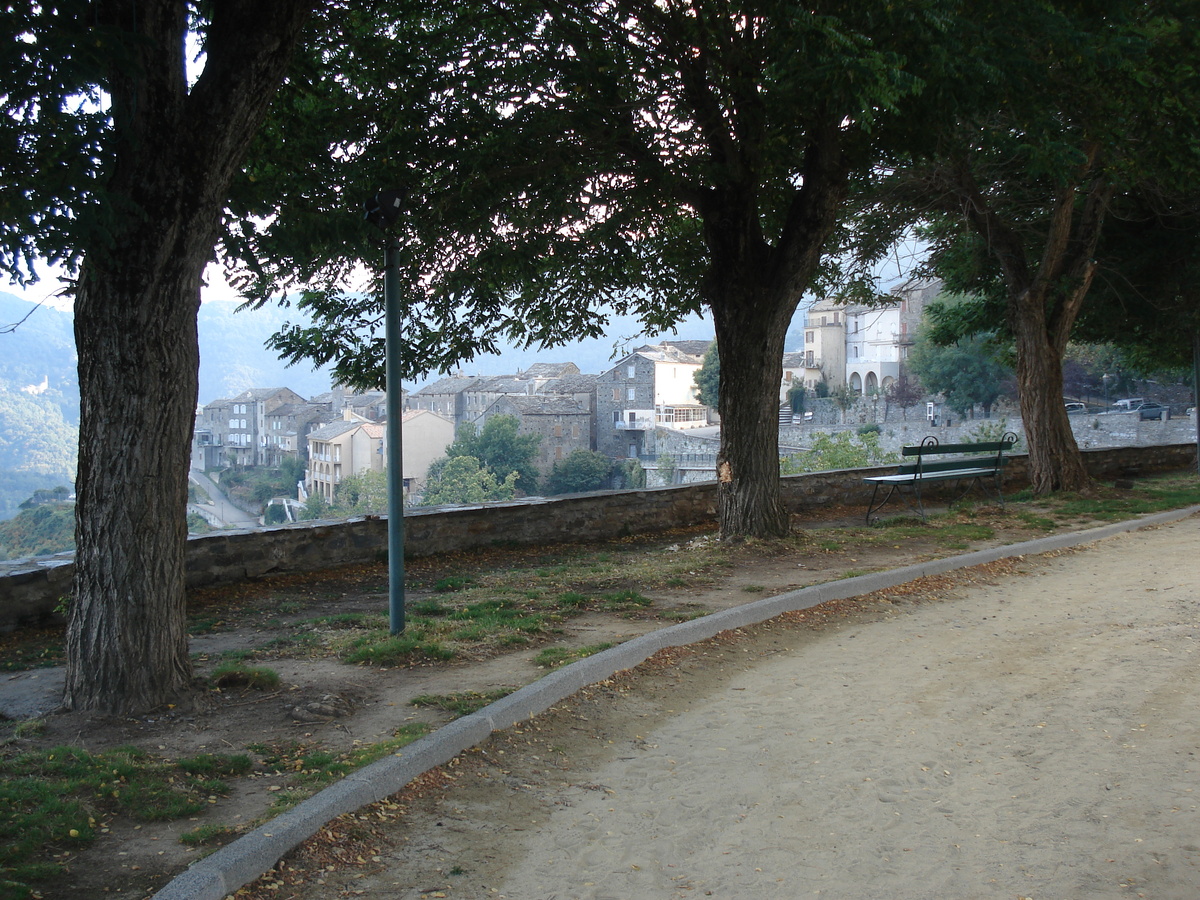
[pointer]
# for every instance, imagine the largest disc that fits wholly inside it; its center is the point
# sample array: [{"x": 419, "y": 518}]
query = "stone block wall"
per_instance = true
[{"x": 31, "y": 590}]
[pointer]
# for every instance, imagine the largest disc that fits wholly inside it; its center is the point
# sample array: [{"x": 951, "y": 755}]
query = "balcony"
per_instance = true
[{"x": 635, "y": 420}]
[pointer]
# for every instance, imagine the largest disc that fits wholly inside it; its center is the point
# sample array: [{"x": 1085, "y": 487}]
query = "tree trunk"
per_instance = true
[
  {"x": 750, "y": 336},
  {"x": 126, "y": 644},
  {"x": 175, "y": 153},
  {"x": 1055, "y": 463}
]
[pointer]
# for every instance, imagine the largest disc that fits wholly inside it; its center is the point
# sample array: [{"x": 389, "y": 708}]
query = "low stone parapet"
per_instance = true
[{"x": 32, "y": 591}]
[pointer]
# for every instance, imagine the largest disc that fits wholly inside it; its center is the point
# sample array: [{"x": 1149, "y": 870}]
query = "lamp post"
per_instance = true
[{"x": 382, "y": 210}]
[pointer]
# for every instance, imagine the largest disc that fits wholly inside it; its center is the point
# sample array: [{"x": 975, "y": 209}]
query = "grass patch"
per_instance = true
[
  {"x": 627, "y": 599},
  {"x": 57, "y": 798},
  {"x": 30, "y": 728},
  {"x": 1036, "y": 522},
  {"x": 378, "y": 648},
  {"x": 462, "y": 703},
  {"x": 31, "y": 648},
  {"x": 235, "y": 673},
  {"x": 344, "y": 620},
  {"x": 429, "y": 608},
  {"x": 311, "y": 768},
  {"x": 554, "y": 657}
]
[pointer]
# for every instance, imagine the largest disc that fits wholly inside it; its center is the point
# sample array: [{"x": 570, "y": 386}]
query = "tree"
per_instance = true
[
  {"x": 581, "y": 470},
  {"x": 708, "y": 378},
  {"x": 316, "y": 507},
  {"x": 906, "y": 392},
  {"x": 500, "y": 447},
  {"x": 795, "y": 397},
  {"x": 839, "y": 451},
  {"x": 1092, "y": 105},
  {"x": 463, "y": 480},
  {"x": 655, "y": 158},
  {"x": 967, "y": 372},
  {"x": 362, "y": 494},
  {"x": 117, "y": 163},
  {"x": 845, "y": 397}
]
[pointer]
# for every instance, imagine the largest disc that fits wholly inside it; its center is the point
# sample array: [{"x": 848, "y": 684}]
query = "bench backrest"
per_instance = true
[{"x": 931, "y": 456}]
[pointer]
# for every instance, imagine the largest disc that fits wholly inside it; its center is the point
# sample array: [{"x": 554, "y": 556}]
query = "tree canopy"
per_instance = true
[
  {"x": 559, "y": 161},
  {"x": 967, "y": 372},
  {"x": 581, "y": 470},
  {"x": 463, "y": 479},
  {"x": 1093, "y": 108},
  {"x": 498, "y": 447},
  {"x": 708, "y": 377}
]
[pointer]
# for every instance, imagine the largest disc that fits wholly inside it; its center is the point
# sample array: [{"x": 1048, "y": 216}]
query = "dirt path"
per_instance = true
[{"x": 1031, "y": 733}]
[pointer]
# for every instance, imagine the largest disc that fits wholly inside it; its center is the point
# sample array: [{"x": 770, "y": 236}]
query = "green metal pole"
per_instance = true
[
  {"x": 1196, "y": 390},
  {"x": 395, "y": 444}
]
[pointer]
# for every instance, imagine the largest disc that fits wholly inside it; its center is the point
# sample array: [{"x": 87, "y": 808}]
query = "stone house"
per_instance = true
[
  {"x": 650, "y": 388},
  {"x": 341, "y": 449},
  {"x": 562, "y": 424},
  {"x": 425, "y": 436},
  {"x": 444, "y": 397},
  {"x": 824, "y": 350},
  {"x": 288, "y": 427}
]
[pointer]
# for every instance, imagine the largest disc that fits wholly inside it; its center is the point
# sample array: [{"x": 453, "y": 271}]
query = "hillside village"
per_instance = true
[{"x": 644, "y": 408}]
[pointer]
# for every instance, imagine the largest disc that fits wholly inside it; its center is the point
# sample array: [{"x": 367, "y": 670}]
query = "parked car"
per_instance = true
[
  {"x": 1129, "y": 403},
  {"x": 1073, "y": 406},
  {"x": 1151, "y": 410}
]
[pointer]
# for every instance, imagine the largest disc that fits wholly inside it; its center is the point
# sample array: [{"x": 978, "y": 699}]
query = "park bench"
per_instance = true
[{"x": 980, "y": 464}]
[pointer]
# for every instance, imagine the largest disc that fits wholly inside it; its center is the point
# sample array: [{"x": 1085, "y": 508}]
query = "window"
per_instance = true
[
  {"x": 808, "y": 359},
  {"x": 630, "y": 393},
  {"x": 631, "y": 371},
  {"x": 810, "y": 337},
  {"x": 616, "y": 393},
  {"x": 616, "y": 417}
]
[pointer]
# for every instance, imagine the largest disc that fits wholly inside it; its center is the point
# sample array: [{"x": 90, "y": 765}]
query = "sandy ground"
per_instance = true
[{"x": 1027, "y": 731}]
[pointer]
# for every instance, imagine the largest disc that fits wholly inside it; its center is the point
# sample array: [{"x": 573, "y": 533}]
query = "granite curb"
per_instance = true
[{"x": 219, "y": 875}]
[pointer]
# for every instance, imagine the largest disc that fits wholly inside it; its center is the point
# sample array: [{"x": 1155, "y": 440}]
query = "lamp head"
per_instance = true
[{"x": 383, "y": 209}]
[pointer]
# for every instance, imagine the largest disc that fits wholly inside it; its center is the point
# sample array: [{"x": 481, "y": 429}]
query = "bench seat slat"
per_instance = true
[{"x": 905, "y": 478}]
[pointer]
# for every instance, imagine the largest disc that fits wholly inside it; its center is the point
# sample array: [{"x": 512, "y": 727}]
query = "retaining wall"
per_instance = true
[{"x": 30, "y": 590}]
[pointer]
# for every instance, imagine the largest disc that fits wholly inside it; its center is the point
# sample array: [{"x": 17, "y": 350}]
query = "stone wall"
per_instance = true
[
  {"x": 31, "y": 590},
  {"x": 1092, "y": 431}
]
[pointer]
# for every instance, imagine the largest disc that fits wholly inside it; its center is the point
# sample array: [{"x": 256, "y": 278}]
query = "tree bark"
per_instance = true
[
  {"x": 176, "y": 150},
  {"x": 749, "y": 501},
  {"x": 1055, "y": 463}
]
